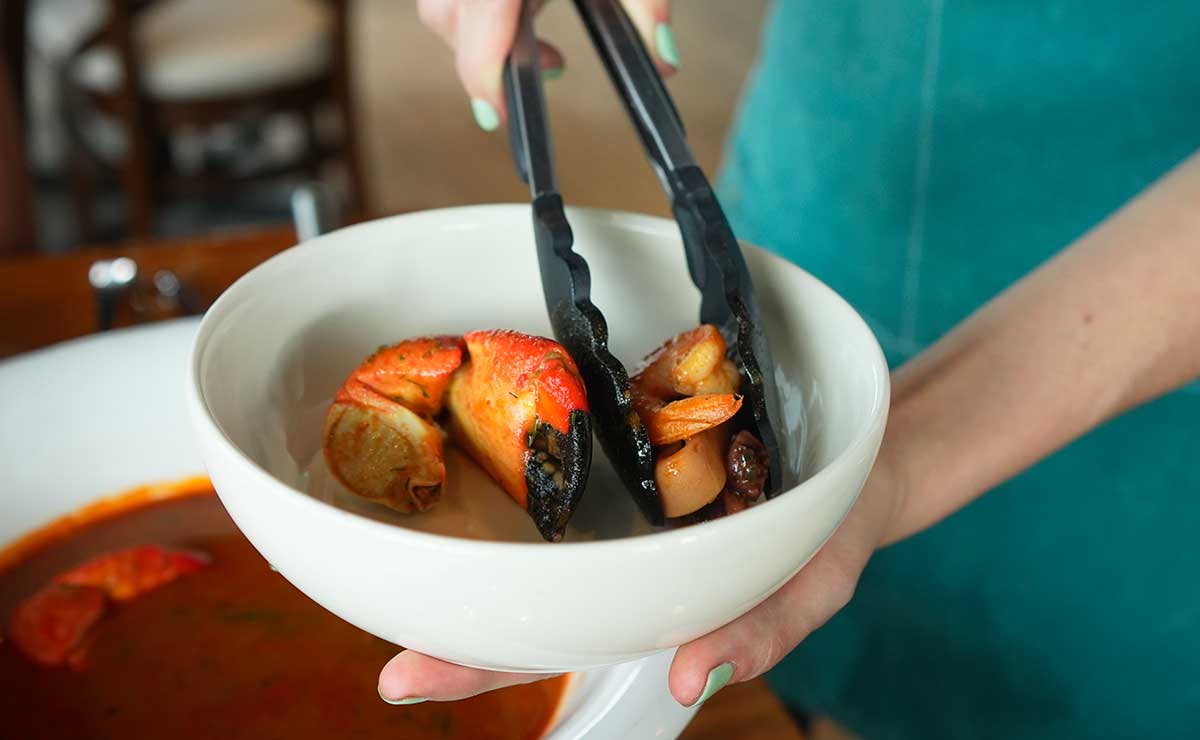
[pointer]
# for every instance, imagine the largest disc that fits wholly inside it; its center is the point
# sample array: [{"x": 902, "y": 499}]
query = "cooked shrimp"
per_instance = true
[
  {"x": 691, "y": 364},
  {"x": 686, "y": 386},
  {"x": 686, "y": 392}
]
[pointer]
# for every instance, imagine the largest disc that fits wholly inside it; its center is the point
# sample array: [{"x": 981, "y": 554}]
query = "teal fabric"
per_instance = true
[{"x": 919, "y": 156}]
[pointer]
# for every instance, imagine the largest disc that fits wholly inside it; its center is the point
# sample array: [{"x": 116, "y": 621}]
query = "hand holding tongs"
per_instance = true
[{"x": 714, "y": 258}]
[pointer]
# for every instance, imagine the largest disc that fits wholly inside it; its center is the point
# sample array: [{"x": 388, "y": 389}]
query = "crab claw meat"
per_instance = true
[
  {"x": 383, "y": 451},
  {"x": 380, "y": 440},
  {"x": 519, "y": 407}
]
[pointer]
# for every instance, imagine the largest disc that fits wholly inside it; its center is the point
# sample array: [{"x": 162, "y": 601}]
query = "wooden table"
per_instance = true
[{"x": 48, "y": 299}]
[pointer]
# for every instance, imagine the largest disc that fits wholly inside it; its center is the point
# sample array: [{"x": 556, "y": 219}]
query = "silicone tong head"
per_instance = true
[
  {"x": 714, "y": 258},
  {"x": 566, "y": 281}
]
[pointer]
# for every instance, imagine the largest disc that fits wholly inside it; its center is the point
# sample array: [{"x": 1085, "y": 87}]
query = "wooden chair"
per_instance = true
[
  {"x": 197, "y": 64},
  {"x": 17, "y": 233}
]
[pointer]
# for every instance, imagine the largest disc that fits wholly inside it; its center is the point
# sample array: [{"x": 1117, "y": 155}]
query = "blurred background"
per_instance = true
[{"x": 149, "y": 119}]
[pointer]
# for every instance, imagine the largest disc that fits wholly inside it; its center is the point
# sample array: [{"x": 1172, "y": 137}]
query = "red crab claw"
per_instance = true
[
  {"x": 519, "y": 407},
  {"x": 380, "y": 440},
  {"x": 413, "y": 373}
]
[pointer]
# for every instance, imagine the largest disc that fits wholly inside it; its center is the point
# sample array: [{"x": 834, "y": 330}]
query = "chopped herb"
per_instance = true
[{"x": 514, "y": 395}]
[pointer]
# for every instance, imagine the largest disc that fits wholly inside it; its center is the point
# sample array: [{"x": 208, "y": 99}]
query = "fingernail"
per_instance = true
[
  {"x": 717, "y": 678},
  {"x": 664, "y": 42},
  {"x": 401, "y": 702},
  {"x": 552, "y": 73},
  {"x": 485, "y": 115}
]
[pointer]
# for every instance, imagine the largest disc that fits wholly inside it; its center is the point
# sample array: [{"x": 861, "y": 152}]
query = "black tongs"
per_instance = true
[{"x": 714, "y": 258}]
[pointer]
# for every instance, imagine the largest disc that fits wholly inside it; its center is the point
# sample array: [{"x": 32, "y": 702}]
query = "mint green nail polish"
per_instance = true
[
  {"x": 552, "y": 73},
  {"x": 485, "y": 115},
  {"x": 401, "y": 702},
  {"x": 717, "y": 678},
  {"x": 664, "y": 42}
]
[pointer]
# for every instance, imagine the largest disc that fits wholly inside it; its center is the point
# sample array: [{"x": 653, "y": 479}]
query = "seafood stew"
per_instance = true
[
  {"x": 163, "y": 621},
  {"x": 517, "y": 405}
]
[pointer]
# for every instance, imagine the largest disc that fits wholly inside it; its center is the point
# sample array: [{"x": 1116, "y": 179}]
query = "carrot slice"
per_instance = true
[{"x": 687, "y": 417}]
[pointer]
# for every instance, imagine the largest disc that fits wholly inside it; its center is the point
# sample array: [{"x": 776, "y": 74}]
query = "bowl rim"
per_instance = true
[{"x": 205, "y": 423}]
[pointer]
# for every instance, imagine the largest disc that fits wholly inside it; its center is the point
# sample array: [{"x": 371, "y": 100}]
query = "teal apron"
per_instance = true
[{"x": 919, "y": 156}]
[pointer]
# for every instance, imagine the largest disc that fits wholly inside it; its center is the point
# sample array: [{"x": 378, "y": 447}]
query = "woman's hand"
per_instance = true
[
  {"x": 481, "y": 33},
  {"x": 739, "y": 651},
  {"x": 1108, "y": 324}
]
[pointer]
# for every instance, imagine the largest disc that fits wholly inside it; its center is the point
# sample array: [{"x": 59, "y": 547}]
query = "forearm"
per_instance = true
[{"x": 1109, "y": 323}]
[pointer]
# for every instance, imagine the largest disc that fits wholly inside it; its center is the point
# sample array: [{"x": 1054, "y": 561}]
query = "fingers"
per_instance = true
[
  {"x": 550, "y": 59},
  {"x": 756, "y": 641},
  {"x": 482, "y": 39},
  {"x": 481, "y": 34},
  {"x": 410, "y": 678},
  {"x": 741, "y": 650},
  {"x": 653, "y": 20}
]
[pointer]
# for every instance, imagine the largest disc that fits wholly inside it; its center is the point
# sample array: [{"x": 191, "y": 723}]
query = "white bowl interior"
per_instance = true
[{"x": 275, "y": 358}]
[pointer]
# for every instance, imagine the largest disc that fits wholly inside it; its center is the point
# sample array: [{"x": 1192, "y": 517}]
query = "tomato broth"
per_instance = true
[{"x": 230, "y": 651}]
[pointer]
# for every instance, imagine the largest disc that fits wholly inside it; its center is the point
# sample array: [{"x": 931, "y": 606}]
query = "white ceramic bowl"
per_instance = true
[
  {"x": 123, "y": 422},
  {"x": 471, "y": 582}
]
